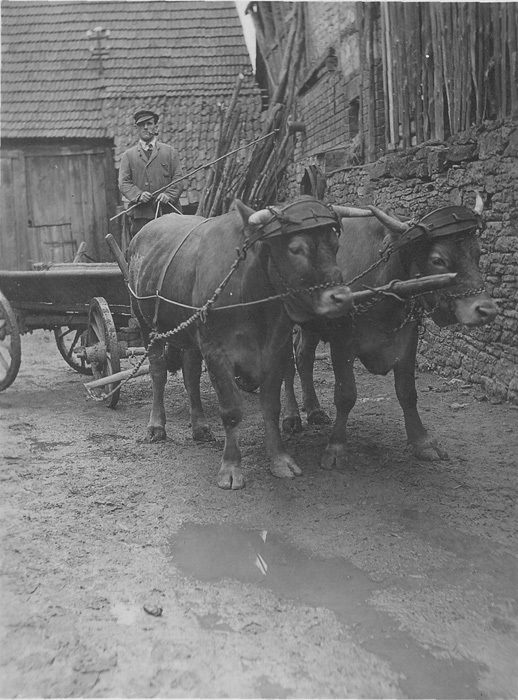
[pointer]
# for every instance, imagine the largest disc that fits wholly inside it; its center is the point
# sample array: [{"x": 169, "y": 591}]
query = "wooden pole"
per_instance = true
[
  {"x": 117, "y": 377},
  {"x": 438, "y": 75},
  {"x": 504, "y": 56},
  {"x": 513, "y": 55},
  {"x": 387, "y": 77},
  {"x": 118, "y": 255},
  {"x": 427, "y": 74},
  {"x": 407, "y": 288},
  {"x": 417, "y": 61},
  {"x": 497, "y": 59}
]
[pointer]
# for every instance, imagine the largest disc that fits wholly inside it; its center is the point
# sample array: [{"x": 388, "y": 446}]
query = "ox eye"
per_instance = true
[
  {"x": 438, "y": 261},
  {"x": 297, "y": 249}
]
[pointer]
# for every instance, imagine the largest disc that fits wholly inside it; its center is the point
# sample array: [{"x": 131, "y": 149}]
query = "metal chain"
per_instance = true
[{"x": 372, "y": 267}]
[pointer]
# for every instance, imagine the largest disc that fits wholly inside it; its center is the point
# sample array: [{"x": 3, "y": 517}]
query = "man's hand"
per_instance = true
[
  {"x": 163, "y": 198},
  {"x": 145, "y": 197}
]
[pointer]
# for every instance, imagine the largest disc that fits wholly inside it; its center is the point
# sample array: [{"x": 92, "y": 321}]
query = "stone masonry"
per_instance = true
[{"x": 416, "y": 181}]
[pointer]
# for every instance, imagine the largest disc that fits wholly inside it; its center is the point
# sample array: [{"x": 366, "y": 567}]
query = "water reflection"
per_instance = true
[{"x": 214, "y": 553}]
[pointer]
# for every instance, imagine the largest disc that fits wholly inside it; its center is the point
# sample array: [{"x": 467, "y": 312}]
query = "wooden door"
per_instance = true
[{"x": 66, "y": 205}]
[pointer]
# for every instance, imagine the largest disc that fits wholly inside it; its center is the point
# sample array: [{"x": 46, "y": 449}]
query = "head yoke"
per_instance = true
[
  {"x": 302, "y": 216},
  {"x": 446, "y": 221}
]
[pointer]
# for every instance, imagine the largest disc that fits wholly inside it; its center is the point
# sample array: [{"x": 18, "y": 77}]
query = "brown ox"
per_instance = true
[
  {"x": 186, "y": 258},
  {"x": 385, "y": 336}
]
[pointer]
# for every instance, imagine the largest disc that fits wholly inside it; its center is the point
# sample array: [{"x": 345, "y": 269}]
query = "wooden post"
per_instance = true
[
  {"x": 504, "y": 56},
  {"x": 513, "y": 55},
  {"x": 437, "y": 72},
  {"x": 119, "y": 257},
  {"x": 387, "y": 75},
  {"x": 414, "y": 10},
  {"x": 497, "y": 58}
]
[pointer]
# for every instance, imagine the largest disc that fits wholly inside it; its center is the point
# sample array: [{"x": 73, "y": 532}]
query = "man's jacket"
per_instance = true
[{"x": 138, "y": 174}]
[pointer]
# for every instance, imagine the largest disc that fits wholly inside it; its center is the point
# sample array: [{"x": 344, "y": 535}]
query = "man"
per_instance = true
[{"x": 147, "y": 167}]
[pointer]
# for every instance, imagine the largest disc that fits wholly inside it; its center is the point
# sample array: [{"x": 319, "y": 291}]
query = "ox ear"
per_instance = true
[{"x": 244, "y": 211}]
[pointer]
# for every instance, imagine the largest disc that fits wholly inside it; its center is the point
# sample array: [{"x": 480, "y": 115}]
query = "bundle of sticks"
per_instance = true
[{"x": 255, "y": 178}]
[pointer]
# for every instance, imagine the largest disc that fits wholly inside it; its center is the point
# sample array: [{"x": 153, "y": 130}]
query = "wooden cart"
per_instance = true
[{"x": 87, "y": 307}]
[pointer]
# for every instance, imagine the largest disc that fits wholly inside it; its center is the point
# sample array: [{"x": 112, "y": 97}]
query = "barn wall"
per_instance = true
[{"x": 422, "y": 178}]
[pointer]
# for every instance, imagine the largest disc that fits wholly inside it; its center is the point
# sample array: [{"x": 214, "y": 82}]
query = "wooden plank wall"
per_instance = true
[
  {"x": 53, "y": 198},
  {"x": 447, "y": 66},
  {"x": 14, "y": 246}
]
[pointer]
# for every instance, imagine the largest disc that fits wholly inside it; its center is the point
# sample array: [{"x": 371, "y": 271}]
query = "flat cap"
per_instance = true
[{"x": 142, "y": 115}]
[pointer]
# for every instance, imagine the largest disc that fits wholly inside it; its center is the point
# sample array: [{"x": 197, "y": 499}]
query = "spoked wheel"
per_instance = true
[
  {"x": 67, "y": 339},
  {"x": 103, "y": 349},
  {"x": 10, "y": 344}
]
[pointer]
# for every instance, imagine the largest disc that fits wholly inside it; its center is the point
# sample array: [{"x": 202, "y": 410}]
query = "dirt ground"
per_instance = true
[{"x": 128, "y": 573}]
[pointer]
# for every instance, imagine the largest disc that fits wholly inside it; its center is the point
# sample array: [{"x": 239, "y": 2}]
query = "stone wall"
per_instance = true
[{"x": 416, "y": 181}]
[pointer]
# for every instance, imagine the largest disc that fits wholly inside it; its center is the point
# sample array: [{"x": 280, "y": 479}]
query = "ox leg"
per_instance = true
[
  {"x": 282, "y": 465},
  {"x": 221, "y": 374},
  {"x": 305, "y": 348},
  {"x": 192, "y": 364},
  {"x": 291, "y": 422},
  {"x": 404, "y": 381},
  {"x": 158, "y": 372},
  {"x": 335, "y": 454}
]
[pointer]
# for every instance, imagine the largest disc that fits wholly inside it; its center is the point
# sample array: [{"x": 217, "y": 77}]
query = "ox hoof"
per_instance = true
[
  {"x": 155, "y": 433},
  {"x": 231, "y": 478},
  {"x": 202, "y": 433},
  {"x": 292, "y": 424},
  {"x": 318, "y": 417},
  {"x": 428, "y": 451},
  {"x": 285, "y": 468},
  {"x": 334, "y": 457}
]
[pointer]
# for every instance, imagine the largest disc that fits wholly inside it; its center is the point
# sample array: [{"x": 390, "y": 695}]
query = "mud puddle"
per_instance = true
[{"x": 213, "y": 553}]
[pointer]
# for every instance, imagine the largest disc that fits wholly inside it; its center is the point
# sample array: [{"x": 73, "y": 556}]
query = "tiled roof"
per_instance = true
[{"x": 182, "y": 58}]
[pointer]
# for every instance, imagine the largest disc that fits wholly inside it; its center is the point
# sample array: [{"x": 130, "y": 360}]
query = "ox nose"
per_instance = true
[
  {"x": 486, "y": 311},
  {"x": 336, "y": 301}
]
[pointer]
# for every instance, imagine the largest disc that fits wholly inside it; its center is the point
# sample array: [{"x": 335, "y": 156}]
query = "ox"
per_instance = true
[
  {"x": 385, "y": 336},
  {"x": 286, "y": 272}
]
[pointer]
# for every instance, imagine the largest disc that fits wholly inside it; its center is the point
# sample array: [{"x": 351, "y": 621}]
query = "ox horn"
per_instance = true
[
  {"x": 348, "y": 212},
  {"x": 393, "y": 224},
  {"x": 259, "y": 217},
  {"x": 479, "y": 203}
]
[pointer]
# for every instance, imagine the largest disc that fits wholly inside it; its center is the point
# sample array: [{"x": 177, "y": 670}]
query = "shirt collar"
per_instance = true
[{"x": 145, "y": 145}]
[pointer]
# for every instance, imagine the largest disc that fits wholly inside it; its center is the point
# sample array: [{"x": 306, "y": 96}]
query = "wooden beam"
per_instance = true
[
  {"x": 438, "y": 76},
  {"x": 512, "y": 20}
]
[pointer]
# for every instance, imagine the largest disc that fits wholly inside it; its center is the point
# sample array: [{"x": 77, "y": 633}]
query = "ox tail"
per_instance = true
[{"x": 173, "y": 358}]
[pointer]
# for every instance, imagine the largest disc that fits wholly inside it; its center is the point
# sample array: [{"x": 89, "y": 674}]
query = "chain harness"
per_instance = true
[{"x": 313, "y": 214}]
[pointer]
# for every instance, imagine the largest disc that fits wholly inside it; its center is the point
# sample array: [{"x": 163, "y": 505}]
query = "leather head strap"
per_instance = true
[
  {"x": 446, "y": 221},
  {"x": 303, "y": 215}
]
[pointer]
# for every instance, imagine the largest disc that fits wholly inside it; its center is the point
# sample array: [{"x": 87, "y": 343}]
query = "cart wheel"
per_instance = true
[
  {"x": 67, "y": 339},
  {"x": 10, "y": 344},
  {"x": 101, "y": 337}
]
